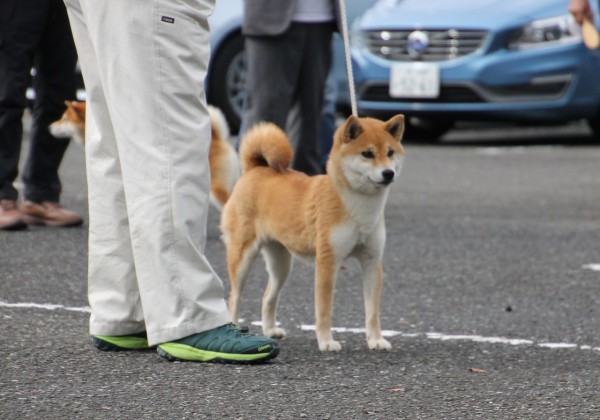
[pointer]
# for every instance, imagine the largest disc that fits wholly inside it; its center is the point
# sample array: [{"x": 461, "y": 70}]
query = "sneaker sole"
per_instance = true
[
  {"x": 183, "y": 353},
  {"x": 110, "y": 343}
]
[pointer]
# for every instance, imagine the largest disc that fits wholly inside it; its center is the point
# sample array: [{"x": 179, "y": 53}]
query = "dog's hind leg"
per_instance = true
[
  {"x": 372, "y": 285},
  {"x": 240, "y": 256},
  {"x": 279, "y": 262}
]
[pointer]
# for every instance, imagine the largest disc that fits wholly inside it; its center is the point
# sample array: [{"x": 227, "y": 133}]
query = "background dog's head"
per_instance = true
[{"x": 72, "y": 123}]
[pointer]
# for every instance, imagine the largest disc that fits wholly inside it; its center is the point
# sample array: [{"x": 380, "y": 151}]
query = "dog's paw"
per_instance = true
[
  {"x": 275, "y": 332},
  {"x": 379, "y": 344},
  {"x": 330, "y": 346}
]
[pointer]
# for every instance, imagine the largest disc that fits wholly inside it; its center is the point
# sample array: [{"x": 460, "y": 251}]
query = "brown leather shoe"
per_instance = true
[
  {"x": 49, "y": 213},
  {"x": 10, "y": 216}
]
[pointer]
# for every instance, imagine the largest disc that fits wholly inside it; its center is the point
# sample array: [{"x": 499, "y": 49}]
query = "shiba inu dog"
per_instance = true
[
  {"x": 223, "y": 159},
  {"x": 72, "y": 123},
  {"x": 328, "y": 218}
]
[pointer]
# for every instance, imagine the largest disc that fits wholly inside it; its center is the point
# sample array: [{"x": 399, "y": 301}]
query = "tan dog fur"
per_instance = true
[
  {"x": 327, "y": 218},
  {"x": 223, "y": 160},
  {"x": 72, "y": 123}
]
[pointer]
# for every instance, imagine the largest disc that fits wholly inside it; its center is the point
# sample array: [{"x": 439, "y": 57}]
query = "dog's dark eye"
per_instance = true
[
  {"x": 391, "y": 153},
  {"x": 368, "y": 154}
]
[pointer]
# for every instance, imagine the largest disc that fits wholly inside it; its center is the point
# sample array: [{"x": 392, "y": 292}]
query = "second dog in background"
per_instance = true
[
  {"x": 223, "y": 159},
  {"x": 72, "y": 123}
]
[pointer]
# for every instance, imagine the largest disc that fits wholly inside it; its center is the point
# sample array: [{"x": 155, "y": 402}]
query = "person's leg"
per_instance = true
[
  {"x": 54, "y": 82},
  {"x": 20, "y": 22},
  {"x": 112, "y": 283},
  {"x": 315, "y": 63},
  {"x": 272, "y": 64},
  {"x": 327, "y": 119},
  {"x": 156, "y": 104},
  {"x": 328, "y": 115}
]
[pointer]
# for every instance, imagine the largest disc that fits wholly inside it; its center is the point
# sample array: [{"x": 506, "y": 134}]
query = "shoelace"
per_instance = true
[{"x": 239, "y": 330}]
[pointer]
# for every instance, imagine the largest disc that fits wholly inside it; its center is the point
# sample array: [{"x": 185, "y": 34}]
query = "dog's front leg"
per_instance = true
[
  {"x": 372, "y": 285},
  {"x": 326, "y": 274}
]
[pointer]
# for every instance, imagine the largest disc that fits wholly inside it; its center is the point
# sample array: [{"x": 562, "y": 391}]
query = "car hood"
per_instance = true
[{"x": 480, "y": 14}]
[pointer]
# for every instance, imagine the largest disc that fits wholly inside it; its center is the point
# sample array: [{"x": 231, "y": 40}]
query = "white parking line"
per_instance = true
[
  {"x": 456, "y": 337},
  {"x": 385, "y": 333},
  {"x": 593, "y": 267},
  {"x": 47, "y": 306},
  {"x": 511, "y": 150}
]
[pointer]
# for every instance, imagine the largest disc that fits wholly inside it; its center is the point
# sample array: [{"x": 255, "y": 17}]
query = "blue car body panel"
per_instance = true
[
  {"x": 505, "y": 83},
  {"x": 225, "y": 21}
]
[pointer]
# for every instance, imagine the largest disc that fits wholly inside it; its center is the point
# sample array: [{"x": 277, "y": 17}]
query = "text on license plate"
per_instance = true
[{"x": 414, "y": 80}]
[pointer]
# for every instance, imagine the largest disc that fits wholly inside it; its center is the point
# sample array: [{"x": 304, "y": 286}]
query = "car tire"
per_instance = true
[
  {"x": 426, "y": 130},
  {"x": 227, "y": 78}
]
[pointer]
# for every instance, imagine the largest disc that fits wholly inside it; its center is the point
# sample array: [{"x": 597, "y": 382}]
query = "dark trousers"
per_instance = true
[
  {"x": 286, "y": 78},
  {"x": 34, "y": 33}
]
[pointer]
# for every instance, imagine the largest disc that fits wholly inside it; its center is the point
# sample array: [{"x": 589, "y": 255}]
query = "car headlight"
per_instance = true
[{"x": 546, "y": 33}]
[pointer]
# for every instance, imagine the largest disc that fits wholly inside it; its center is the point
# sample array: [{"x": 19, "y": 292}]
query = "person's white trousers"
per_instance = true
[{"x": 147, "y": 138}]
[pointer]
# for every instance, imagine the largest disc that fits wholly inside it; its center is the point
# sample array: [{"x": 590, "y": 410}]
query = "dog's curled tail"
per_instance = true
[{"x": 265, "y": 144}]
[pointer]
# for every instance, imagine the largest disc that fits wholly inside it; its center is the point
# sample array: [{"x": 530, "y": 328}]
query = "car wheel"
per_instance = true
[
  {"x": 421, "y": 129},
  {"x": 227, "y": 80}
]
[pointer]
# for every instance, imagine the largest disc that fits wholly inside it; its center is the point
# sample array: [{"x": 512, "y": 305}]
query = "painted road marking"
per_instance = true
[
  {"x": 593, "y": 267},
  {"x": 385, "y": 333},
  {"x": 463, "y": 337},
  {"x": 47, "y": 306},
  {"x": 511, "y": 150}
]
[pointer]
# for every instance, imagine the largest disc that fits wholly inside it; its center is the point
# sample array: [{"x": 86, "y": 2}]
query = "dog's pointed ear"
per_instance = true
[
  {"x": 352, "y": 129},
  {"x": 71, "y": 105},
  {"x": 395, "y": 126},
  {"x": 77, "y": 107}
]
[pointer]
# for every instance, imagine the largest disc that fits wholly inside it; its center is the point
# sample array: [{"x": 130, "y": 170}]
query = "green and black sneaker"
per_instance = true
[
  {"x": 226, "y": 344},
  {"x": 137, "y": 341}
]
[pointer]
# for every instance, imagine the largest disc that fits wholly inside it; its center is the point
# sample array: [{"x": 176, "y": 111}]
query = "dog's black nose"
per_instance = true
[{"x": 388, "y": 174}]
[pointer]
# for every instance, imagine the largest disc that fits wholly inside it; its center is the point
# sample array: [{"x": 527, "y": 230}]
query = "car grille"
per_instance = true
[
  {"x": 473, "y": 94},
  {"x": 443, "y": 45}
]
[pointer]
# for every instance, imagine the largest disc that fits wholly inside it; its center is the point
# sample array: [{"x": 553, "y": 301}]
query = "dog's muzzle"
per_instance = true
[{"x": 388, "y": 176}]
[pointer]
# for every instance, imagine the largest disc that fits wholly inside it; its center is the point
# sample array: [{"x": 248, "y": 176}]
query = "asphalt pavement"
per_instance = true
[{"x": 491, "y": 303}]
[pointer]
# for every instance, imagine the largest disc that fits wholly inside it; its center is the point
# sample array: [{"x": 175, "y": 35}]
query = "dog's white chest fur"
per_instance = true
[{"x": 363, "y": 228}]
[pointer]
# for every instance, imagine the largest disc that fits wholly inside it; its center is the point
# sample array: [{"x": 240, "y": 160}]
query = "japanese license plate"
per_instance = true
[{"x": 414, "y": 80}]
